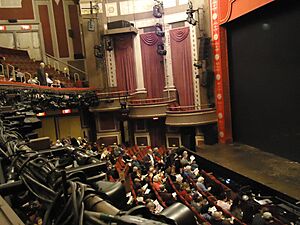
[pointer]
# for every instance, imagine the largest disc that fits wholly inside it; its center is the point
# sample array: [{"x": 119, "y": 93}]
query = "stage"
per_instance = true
[{"x": 278, "y": 173}]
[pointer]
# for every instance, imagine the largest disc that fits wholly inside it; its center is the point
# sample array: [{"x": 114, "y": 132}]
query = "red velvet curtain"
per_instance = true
[
  {"x": 124, "y": 56},
  {"x": 153, "y": 67},
  {"x": 182, "y": 65}
]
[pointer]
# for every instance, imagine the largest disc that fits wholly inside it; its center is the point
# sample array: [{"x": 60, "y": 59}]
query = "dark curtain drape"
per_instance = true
[
  {"x": 157, "y": 132},
  {"x": 124, "y": 56},
  {"x": 182, "y": 65},
  {"x": 153, "y": 67}
]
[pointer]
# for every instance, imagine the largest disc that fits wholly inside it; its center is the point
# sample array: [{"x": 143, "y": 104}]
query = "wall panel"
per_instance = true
[
  {"x": 48, "y": 128},
  {"x": 61, "y": 32},
  {"x": 75, "y": 27},
  {"x": 24, "y": 13},
  {"x": 44, "y": 18}
]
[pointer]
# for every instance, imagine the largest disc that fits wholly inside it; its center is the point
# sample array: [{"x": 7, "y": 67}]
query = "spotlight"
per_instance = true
[
  {"x": 108, "y": 44},
  {"x": 99, "y": 51},
  {"x": 158, "y": 9},
  {"x": 161, "y": 49},
  {"x": 190, "y": 19},
  {"x": 159, "y": 30},
  {"x": 198, "y": 65}
]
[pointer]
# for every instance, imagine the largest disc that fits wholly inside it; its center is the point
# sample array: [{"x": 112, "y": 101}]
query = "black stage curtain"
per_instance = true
[{"x": 264, "y": 65}]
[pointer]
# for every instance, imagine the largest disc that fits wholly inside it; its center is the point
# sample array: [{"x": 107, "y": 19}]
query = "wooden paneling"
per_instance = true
[
  {"x": 75, "y": 29},
  {"x": 69, "y": 126},
  {"x": 142, "y": 141},
  {"x": 191, "y": 118},
  {"x": 173, "y": 141},
  {"x": 24, "y": 13},
  {"x": 108, "y": 140},
  {"x": 61, "y": 32},
  {"x": 48, "y": 128},
  {"x": 44, "y": 18},
  {"x": 140, "y": 125},
  {"x": 107, "y": 121}
]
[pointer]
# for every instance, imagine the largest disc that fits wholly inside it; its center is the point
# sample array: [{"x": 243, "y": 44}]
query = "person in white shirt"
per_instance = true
[{"x": 48, "y": 80}]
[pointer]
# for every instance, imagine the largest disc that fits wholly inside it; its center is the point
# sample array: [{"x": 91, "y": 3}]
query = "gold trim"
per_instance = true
[
  {"x": 147, "y": 116},
  {"x": 190, "y": 124},
  {"x": 189, "y": 114}
]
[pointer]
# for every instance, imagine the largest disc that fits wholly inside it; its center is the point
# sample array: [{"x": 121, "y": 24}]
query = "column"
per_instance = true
[
  {"x": 194, "y": 52},
  {"x": 168, "y": 61},
  {"x": 138, "y": 65}
]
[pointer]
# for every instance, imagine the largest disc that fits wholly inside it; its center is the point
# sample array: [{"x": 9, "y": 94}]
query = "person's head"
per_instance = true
[
  {"x": 185, "y": 154},
  {"x": 137, "y": 180},
  {"x": 135, "y": 169},
  {"x": 245, "y": 198},
  {"x": 217, "y": 215},
  {"x": 188, "y": 168},
  {"x": 42, "y": 65},
  {"x": 200, "y": 179},
  {"x": 150, "y": 151},
  {"x": 267, "y": 216},
  {"x": 156, "y": 178},
  {"x": 151, "y": 206},
  {"x": 66, "y": 70},
  {"x": 134, "y": 157},
  {"x": 179, "y": 178}
]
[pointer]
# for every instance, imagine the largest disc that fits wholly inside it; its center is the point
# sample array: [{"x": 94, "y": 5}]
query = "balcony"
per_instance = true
[
  {"x": 110, "y": 101},
  {"x": 149, "y": 108},
  {"x": 190, "y": 116}
]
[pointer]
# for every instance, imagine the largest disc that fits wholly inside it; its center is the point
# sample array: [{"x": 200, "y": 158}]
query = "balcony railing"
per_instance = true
[
  {"x": 190, "y": 108},
  {"x": 150, "y": 101}
]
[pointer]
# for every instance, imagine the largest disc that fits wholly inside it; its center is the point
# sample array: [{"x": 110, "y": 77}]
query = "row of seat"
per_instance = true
[{"x": 140, "y": 153}]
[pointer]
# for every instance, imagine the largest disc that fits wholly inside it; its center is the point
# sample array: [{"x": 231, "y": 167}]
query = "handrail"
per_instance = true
[
  {"x": 189, "y": 108},
  {"x": 113, "y": 94},
  {"x": 150, "y": 101},
  {"x": 76, "y": 77},
  {"x": 13, "y": 71},
  {"x": 73, "y": 67},
  {"x": 29, "y": 74},
  {"x": 54, "y": 65},
  {"x": 2, "y": 69}
]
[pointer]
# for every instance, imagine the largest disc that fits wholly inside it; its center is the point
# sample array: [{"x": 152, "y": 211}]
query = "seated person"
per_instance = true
[
  {"x": 200, "y": 184},
  {"x": 48, "y": 80}
]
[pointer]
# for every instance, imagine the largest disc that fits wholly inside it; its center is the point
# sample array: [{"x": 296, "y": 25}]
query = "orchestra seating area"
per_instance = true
[{"x": 159, "y": 177}]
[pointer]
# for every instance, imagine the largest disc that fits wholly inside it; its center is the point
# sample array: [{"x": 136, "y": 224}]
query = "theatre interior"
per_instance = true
[{"x": 179, "y": 112}]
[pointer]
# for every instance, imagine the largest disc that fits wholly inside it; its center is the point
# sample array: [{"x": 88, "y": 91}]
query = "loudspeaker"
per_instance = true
[
  {"x": 12, "y": 20},
  {"x": 39, "y": 143}
]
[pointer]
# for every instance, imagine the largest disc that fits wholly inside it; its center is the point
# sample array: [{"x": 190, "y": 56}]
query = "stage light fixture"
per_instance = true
[
  {"x": 158, "y": 9},
  {"x": 66, "y": 111},
  {"x": 198, "y": 65},
  {"x": 108, "y": 44},
  {"x": 159, "y": 30},
  {"x": 41, "y": 114},
  {"x": 190, "y": 11},
  {"x": 161, "y": 49}
]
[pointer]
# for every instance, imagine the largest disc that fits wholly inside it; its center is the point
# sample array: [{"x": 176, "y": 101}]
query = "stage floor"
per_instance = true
[{"x": 273, "y": 171}]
